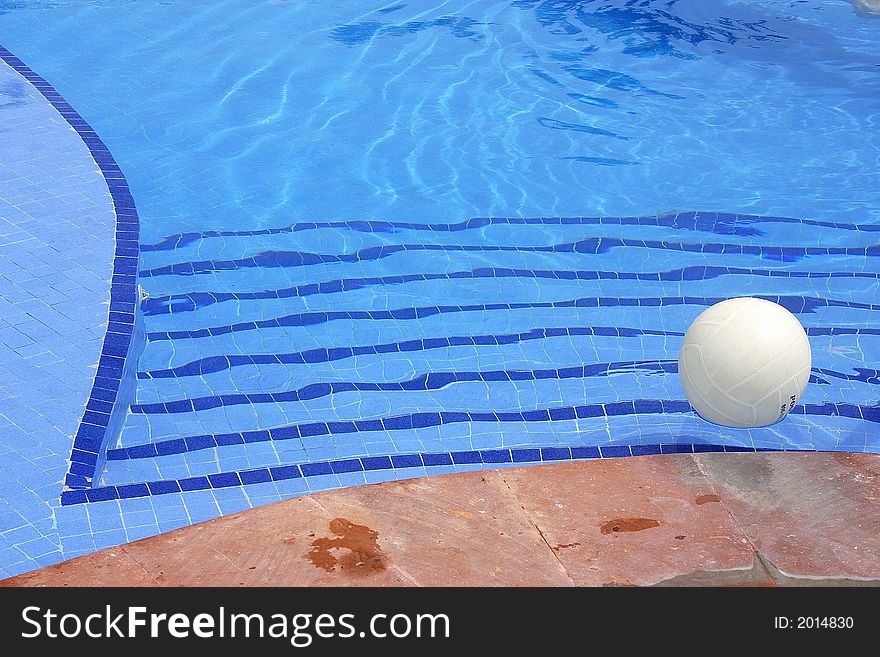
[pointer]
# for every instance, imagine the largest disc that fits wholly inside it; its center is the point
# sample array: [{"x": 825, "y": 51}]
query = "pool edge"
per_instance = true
[
  {"x": 706, "y": 519},
  {"x": 124, "y": 337}
]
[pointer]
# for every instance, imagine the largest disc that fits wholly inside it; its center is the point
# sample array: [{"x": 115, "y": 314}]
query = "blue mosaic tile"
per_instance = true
[
  {"x": 377, "y": 462},
  {"x": 399, "y": 461},
  {"x": 431, "y": 460},
  {"x": 645, "y": 450},
  {"x": 611, "y": 451},
  {"x": 585, "y": 453},
  {"x": 460, "y": 458},
  {"x": 555, "y": 454},
  {"x": 698, "y": 448},
  {"x": 194, "y": 483},
  {"x": 348, "y": 465},
  {"x": 132, "y": 490},
  {"x": 676, "y": 449},
  {"x": 526, "y": 455},
  {"x": 294, "y": 472}
]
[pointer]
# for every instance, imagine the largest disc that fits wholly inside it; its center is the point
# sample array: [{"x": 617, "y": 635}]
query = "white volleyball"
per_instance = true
[{"x": 745, "y": 362}]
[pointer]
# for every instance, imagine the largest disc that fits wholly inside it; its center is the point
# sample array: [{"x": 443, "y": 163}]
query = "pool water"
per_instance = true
[{"x": 379, "y": 229}]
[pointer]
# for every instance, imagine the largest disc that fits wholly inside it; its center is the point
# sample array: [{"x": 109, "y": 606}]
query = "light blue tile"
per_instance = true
[
  {"x": 105, "y": 539},
  {"x": 105, "y": 520},
  {"x": 38, "y": 547},
  {"x": 81, "y": 543},
  {"x": 291, "y": 487},
  {"x": 22, "y": 534},
  {"x": 142, "y": 531},
  {"x": 138, "y": 519}
]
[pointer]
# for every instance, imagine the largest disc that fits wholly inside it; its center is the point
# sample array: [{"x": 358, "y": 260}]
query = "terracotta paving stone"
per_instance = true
[
  {"x": 111, "y": 567},
  {"x": 463, "y": 529},
  {"x": 809, "y": 515},
  {"x": 707, "y": 519},
  {"x": 634, "y": 521}
]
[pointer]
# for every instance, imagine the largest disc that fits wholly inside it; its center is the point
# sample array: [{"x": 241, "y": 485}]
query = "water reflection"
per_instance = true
[
  {"x": 354, "y": 33},
  {"x": 12, "y": 94},
  {"x": 645, "y": 28}
]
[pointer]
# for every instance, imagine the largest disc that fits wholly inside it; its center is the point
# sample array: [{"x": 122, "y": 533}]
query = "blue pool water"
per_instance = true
[{"x": 392, "y": 229}]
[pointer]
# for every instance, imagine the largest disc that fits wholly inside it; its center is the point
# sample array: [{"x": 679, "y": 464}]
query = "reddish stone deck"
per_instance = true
[{"x": 714, "y": 519}]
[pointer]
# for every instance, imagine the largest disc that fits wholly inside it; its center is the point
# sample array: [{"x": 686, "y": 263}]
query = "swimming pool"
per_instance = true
[{"x": 381, "y": 240}]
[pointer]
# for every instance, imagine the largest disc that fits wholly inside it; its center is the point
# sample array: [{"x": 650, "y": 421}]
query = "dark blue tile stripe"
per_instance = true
[
  {"x": 219, "y": 363},
  {"x": 439, "y": 380},
  {"x": 90, "y": 435},
  {"x": 190, "y": 301},
  {"x": 213, "y": 364},
  {"x": 715, "y": 222},
  {"x": 490, "y": 457},
  {"x": 423, "y": 382},
  {"x": 592, "y": 245},
  {"x": 433, "y": 419},
  {"x": 793, "y": 303},
  {"x": 409, "y": 421}
]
